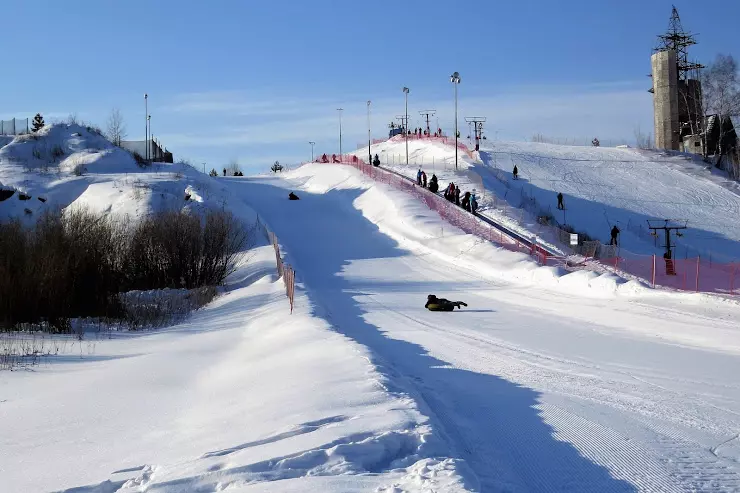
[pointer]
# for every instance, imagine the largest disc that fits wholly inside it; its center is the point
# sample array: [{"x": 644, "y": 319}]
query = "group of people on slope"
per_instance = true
[{"x": 451, "y": 192}]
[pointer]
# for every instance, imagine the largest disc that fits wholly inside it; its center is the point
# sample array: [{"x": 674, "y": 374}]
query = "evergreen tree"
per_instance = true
[{"x": 38, "y": 122}]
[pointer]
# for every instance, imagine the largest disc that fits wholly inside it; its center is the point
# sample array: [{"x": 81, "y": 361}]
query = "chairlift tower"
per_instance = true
[
  {"x": 477, "y": 122},
  {"x": 403, "y": 122},
  {"x": 667, "y": 226},
  {"x": 427, "y": 114}
]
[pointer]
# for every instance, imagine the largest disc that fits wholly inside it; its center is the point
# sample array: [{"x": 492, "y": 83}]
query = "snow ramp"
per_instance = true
[{"x": 545, "y": 382}]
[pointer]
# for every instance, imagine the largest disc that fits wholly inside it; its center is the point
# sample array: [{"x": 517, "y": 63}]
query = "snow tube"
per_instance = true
[{"x": 440, "y": 307}]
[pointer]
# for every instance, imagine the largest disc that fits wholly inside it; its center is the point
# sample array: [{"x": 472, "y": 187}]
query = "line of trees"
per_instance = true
[
  {"x": 76, "y": 263},
  {"x": 721, "y": 97}
]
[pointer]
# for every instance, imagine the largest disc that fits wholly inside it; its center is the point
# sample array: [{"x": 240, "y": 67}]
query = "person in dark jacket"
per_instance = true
[
  {"x": 515, "y": 173},
  {"x": 473, "y": 204},
  {"x": 466, "y": 201},
  {"x": 224, "y": 171},
  {"x": 423, "y": 179},
  {"x": 457, "y": 195},
  {"x": 418, "y": 177},
  {"x": 433, "y": 184},
  {"x": 292, "y": 196},
  {"x": 561, "y": 206},
  {"x": 615, "y": 233},
  {"x": 435, "y": 304},
  {"x": 376, "y": 161}
]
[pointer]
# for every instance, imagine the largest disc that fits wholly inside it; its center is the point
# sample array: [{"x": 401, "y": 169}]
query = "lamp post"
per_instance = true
[
  {"x": 146, "y": 122},
  {"x": 406, "y": 130},
  {"x": 369, "y": 139},
  {"x": 340, "y": 130},
  {"x": 312, "y": 144},
  {"x": 455, "y": 79}
]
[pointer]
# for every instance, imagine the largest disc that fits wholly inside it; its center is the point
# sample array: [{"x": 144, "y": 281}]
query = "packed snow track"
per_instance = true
[{"x": 534, "y": 389}]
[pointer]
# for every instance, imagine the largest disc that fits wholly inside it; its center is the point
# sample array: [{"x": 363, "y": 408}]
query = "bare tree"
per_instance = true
[
  {"x": 643, "y": 140},
  {"x": 233, "y": 167},
  {"x": 721, "y": 90},
  {"x": 116, "y": 130}
]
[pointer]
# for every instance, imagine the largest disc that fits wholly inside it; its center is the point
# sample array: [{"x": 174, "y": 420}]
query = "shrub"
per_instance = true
[
  {"x": 57, "y": 152},
  {"x": 76, "y": 263}
]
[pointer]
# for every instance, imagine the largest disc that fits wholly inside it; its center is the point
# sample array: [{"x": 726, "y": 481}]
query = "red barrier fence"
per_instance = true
[
  {"x": 694, "y": 274},
  {"x": 455, "y": 215}
]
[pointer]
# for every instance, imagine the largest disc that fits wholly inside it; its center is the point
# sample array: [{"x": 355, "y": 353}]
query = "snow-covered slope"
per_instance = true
[
  {"x": 241, "y": 394},
  {"x": 602, "y": 187},
  {"x": 547, "y": 381},
  {"x": 531, "y": 388}
]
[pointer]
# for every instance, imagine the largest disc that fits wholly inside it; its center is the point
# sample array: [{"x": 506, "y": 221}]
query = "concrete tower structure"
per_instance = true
[
  {"x": 679, "y": 117},
  {"x": 665, "y": 100}
]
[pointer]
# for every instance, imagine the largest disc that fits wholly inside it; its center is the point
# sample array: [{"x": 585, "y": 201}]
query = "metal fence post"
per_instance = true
[
  {"x": 698, "y": 262},
  {"x": 652, "y": 274}
]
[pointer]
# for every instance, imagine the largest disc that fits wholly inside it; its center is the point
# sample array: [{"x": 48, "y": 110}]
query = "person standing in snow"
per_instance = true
[
  {"x": 561, "y": 206},
  {"x": 457, "y": 195},
  {"x": 515, "y": 173},
  {"x": 376, "y": 161},
  {"x": 466, "y": 201},
  {"x": 615, "y": 233},
  {"x": 418, "y": 177},
  {"x": 224, "y": 171},
  {"x": 423, "y": 179},
  {"x": 433, "y": 184},
  {"x": 473, "y": 204}
]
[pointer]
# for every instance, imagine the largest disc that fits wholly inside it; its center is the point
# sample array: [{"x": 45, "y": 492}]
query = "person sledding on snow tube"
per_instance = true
[
  {"x": 435, "y": 304},
  {"x": 292, "y": 196}
]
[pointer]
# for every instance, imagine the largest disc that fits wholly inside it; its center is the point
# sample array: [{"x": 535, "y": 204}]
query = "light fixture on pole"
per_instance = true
[
  {"x": 406, "y": 130},
  {"x": 312, "y": 144},
  {"x": 340, "y": 129},
  {"x": 455, "y": 79},
  {"x": 146, "y": 122},
  {"x": 369, "y": 139}
]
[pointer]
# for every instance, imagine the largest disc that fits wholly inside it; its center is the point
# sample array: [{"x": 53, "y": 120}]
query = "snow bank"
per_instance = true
[
  {"x": 242, "y": 393},
  {"x": 70, "y": 166}
]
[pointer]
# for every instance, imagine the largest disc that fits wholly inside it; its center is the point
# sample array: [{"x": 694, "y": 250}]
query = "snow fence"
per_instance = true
[{"x": 284, "y": 271}]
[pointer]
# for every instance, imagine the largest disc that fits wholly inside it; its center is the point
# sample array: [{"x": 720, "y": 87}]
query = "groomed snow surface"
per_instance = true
[{"x": 545, "y": 382}]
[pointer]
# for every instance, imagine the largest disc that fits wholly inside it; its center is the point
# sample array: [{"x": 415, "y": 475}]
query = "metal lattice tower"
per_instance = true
[
  {"x": 428, "y": 113},
  {"x": 678, "y": 40}
]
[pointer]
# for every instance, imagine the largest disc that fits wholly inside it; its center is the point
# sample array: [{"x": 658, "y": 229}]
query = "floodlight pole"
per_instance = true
[
  {"x": 340, "y": 130},
  {"x": 369, "y": 138},
  {"x": 455, "y": 79},
  {"x": 146, "y": 122},
  {"x": 406, "y": 130}
]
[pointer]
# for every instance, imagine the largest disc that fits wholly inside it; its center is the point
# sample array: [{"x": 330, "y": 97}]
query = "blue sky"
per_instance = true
[{"x": 255, "y": 81}]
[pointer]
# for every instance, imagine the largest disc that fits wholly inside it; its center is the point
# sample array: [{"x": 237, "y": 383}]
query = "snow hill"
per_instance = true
[
  {"x": 69, "y": 165},
  {"x": 601, "y": 187},
  {"x": 547, "y": 381}
]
